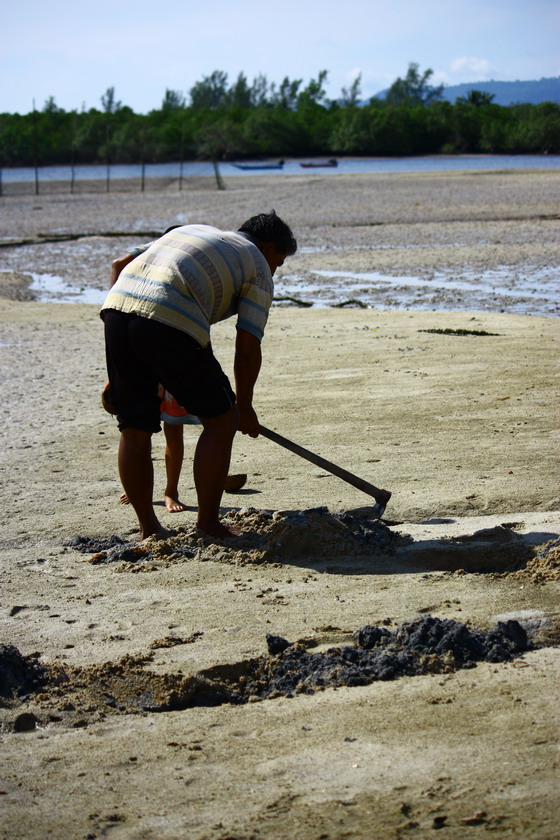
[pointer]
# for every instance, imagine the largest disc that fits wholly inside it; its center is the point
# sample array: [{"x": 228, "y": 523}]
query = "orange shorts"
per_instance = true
[{"x": 175, "y": 414}]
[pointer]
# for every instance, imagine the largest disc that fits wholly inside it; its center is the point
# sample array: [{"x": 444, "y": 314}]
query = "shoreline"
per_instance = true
[{"x": 203, "y": 179}]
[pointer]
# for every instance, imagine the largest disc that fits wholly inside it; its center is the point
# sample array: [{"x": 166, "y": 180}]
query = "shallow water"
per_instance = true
[
  {"x": 49, "y": 288},
  {"x": 535, "y": 292},
  {"x": 346, "y": 166}
]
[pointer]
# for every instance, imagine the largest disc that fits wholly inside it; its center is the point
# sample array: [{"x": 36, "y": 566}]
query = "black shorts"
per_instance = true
[{"x": 142, "y": 353}]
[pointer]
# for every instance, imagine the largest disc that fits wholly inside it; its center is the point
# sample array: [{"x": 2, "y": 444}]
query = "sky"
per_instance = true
[{"x": 75, "y": 51}]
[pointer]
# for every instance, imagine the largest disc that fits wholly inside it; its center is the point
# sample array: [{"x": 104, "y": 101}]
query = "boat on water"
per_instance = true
[
  {"x": 315, "y": 164},
  {"x": 279, "y": 165}
]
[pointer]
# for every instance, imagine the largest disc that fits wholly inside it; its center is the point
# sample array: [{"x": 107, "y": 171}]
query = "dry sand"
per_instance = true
[{"x": 463, "y": 430}]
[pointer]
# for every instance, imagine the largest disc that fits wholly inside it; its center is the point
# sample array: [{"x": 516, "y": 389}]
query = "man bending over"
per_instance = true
[{"x": 157, "y": 320}]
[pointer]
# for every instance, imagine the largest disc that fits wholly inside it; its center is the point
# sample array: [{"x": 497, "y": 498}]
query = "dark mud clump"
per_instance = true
[
  {"x": 104, "y": 549},
  {"x": 114, "y": 549},
  {"x": 81, "y": 695},
  {"x": 426, "y": 645},
  {"x": 20, "y": 676}
]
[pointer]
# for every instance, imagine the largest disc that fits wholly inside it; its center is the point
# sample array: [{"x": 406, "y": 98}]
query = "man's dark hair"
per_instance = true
[{"x": 268, "y": 227}]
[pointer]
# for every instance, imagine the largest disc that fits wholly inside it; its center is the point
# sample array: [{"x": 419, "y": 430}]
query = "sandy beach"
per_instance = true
[{"x": 126, "y": 710}]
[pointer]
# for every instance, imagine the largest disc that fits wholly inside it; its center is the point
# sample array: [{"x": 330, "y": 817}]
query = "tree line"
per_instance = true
[{"x": 222, "y": 121}]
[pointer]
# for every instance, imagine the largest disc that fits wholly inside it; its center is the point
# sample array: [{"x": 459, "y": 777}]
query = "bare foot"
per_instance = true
[
  {"x": 123, "y": 499},
  {"x": 219, "y": 530},
  {"x": 151, "y": 527},
  {"x": 173, "y": 505}
]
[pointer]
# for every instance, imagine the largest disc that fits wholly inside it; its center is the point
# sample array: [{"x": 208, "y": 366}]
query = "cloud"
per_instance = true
[{"x": 477, "y": 69}]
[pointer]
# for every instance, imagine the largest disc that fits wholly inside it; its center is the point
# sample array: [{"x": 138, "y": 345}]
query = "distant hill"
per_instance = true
[{"x": 505, "y": 93}]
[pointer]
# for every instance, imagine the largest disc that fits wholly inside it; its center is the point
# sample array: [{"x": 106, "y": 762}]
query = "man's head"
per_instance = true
[{"x": 272, "y": 237}]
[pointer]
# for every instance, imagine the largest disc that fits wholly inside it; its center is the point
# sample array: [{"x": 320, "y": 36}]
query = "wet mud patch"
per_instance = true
[
  {"x": 460, "y": 332},
  {"x": 267, "y": 537},
  {"x": 76, "y": 696}
]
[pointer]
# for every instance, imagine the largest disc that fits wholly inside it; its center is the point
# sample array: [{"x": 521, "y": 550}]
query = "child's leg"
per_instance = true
[{"x": 174, "y": 451}]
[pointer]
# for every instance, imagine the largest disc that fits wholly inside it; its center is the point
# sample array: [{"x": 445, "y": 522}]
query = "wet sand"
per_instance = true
[{"x": 461, "y": 427}]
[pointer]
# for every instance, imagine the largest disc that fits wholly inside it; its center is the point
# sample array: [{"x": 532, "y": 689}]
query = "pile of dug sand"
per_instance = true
[{"x": 267, "y": 537}]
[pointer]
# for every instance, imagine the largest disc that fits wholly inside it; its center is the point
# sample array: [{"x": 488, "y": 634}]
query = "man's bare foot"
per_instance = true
[
  {"x": 173, "y": 504},
  {"x": 151, "y": 527},
  {"x": 219, "y": 530},
  {"x": 123, "y": 499}
]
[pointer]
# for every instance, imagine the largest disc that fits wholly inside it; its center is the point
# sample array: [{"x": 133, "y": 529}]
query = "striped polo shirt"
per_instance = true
[{"x": 195, "y": 276}]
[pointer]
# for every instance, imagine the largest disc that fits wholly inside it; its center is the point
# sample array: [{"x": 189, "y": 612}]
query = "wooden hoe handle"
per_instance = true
[{"x": 378, "y": 494}]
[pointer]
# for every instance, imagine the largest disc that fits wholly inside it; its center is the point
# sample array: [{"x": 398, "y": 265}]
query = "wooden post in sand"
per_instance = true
[
  {"x": 73, "y": 164},
  {"x": 107, "y": 157},
  {"x": 182, "y": 157},
  {"x": 36, "y": 164},
  {"x": 142, "y": 160},
  {"x": 219, "y": 179}
]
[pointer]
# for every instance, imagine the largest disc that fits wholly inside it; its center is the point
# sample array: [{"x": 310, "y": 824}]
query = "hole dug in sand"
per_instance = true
[
  {"x": 78, "y": 696},
  {"x": 497, "y": 549}
]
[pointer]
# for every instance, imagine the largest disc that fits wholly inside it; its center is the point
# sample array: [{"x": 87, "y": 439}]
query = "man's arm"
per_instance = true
[
  {"x": 246, "y": 367},
  {"x": 117, "y": 266}
]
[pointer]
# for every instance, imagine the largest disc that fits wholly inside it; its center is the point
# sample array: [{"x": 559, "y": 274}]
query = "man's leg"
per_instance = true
[
  {"x": 174, "y": 451},
  {"x": 137, "y": 477},
  {"x": 211, "y": 464}
]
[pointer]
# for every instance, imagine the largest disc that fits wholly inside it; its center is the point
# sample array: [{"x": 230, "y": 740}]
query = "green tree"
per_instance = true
[
  {"x": 239, "y": 95},
  {"x": 287, "y": 95},
  {"x": 476, "y": 98},
  {"x": 173, "y": 100},
  {"x": 50, "y": 106},
  {"x": 260, "y": 92},
  {"x": 414, "y": 88},
  {"x": 220, "y": 139},
  {"x": 314, "y": 94},
  {"x": 108, "y": 101},
  {"x": 211, "y": 91},
  {"x": 270, "y": 131},
  {"x": 351, "y": 96},
  {"x": 255, "y": 118},
  {"x": 495, "y": 130},
  {"x": 351, "y": 133}
]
